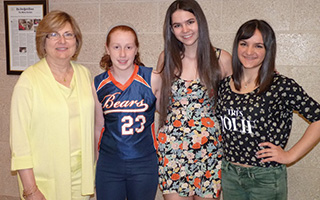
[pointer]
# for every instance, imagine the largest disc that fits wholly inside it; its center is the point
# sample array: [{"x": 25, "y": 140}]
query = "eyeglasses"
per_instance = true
[{"x": 57, "y": 36}]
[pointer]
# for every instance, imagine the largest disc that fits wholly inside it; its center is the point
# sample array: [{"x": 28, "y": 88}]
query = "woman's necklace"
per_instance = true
[
  {"x": 61, "y": 71},
  {"x": 63, "y": 77},
  {"x": 247, "y": 83}
]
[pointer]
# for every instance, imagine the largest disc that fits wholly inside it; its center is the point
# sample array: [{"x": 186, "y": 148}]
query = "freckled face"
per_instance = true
[
  {"x": 122, "y": 49},
  {"x": 251, "y": 52},
  {"x": 185, "y": 27}
]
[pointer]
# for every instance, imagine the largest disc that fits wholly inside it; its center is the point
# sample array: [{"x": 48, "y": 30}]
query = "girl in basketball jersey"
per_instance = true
[{"x": 126, "y": 95}]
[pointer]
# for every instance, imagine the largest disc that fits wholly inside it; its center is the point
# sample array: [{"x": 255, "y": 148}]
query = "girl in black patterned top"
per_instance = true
[{"x": 255, "y": 109}]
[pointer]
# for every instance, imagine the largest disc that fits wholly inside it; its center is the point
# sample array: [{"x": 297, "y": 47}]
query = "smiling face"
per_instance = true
[
  {"x": 61, "y": 48},
  {"x": 122, "y": 50},
  {"x": 185, "y": 27},
  {"x": 251, "y": 51}
]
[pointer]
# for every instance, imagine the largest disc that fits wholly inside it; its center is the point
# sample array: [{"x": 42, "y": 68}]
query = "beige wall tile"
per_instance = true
[
  {"x": 5, "y": 113},
  {"x": 222, "y": 41},
  {"x": 8, "y": 198},
  {"x": 86, "y": 14},
  {"x": 299, "y": 126},
  {"x": 4, "y": 125},
  {"x": 92, "y": 48},
  {"x": 163, "y": 6},
  {"x": 298, "y": 49},
  {"x": 149, "y": 55},
  {"x": 94, "y": 69},
  {"x": 159, "y": 195},
  {"x": 2, "y": 46},
  {"x": 311, "y": 160},
  {"x": 2, "y": 23},
  {"x": 135, "y": 13},
  {"x": 6, "y": 81},
  {"x": 72, "y": 1},
  {"x": 235, "y": 13},
  {"x": 8, "y": 181},
  {"x": 140, "y": 1},
  {"x": 306, "y": 76},
  {"x": 213, "y": 13},
  {"x": 306, "y": 15},
  {"x": 303, "y": 183}
]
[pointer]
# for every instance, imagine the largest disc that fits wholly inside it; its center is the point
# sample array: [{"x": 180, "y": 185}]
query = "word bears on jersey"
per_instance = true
[{"x": 112, "y": 106}]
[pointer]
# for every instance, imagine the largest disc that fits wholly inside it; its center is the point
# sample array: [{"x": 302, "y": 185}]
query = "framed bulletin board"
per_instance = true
[{"x": 21, "y": 22}]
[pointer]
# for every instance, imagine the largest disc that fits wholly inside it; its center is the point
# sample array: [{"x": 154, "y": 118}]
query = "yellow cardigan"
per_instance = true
[{"x": 39, "y": 130}]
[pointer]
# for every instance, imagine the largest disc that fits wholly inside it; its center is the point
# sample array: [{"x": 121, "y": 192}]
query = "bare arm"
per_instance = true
[
  {"x": 156, "y": 83},
  {"x": 98, "y": 121},
  {"x": 29, "y": 185},
  {"x": 160, "y": 62},
  {"x": 275, "y": 153},
  {"x": 225, "y": 63}
]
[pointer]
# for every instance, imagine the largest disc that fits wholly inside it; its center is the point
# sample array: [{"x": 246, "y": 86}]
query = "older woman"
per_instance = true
[{"x": 52, "y": 115}]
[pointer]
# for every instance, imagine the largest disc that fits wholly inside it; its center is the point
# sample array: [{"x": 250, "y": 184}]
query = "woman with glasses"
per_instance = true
[{"x": 52, "y": 117}]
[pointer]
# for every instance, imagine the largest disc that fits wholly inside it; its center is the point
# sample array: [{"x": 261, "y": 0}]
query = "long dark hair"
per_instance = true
[
  {"x": 266, "y": 71},
  {"x": 105, "y": 62},
  {"x": 207, "y": 62}
]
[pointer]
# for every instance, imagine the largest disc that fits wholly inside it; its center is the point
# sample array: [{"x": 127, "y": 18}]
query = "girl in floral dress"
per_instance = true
[{"x": 189, "y": 140}]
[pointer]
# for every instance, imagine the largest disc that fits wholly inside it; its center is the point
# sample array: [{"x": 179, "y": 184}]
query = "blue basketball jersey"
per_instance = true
[{"x": 128, "y": 113}]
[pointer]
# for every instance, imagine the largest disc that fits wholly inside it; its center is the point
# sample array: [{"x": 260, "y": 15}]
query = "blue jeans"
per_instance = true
[
  {"x": 253, "y": 183},
  {"x": 134, "y": 179}
]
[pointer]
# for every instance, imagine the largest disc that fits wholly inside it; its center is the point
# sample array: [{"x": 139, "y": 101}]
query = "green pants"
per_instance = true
[{"x": 253, "y": 183}]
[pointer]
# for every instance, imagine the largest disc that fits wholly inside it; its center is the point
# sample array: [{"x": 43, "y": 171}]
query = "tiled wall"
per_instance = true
[{"x": 297, "y": 27}]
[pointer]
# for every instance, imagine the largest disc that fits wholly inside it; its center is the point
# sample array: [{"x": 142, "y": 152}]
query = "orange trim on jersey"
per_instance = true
[
  {"x": 155, "y": 142},
  {"x": 141, "y": 80},
  {"x": 101, "y": 133},
  {"x": 129, "y": 81},
  {"x": 103, "y": 83}
]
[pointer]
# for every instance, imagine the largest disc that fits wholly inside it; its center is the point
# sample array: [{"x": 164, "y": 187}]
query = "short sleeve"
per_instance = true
[{"x": 297, "y": 99}]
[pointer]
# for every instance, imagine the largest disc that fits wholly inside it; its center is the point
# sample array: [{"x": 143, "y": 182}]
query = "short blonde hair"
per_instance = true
[{"x": 54, "y": 21}]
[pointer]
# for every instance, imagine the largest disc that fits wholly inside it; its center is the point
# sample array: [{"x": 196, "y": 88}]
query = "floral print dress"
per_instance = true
[{"x": 190, "y": 149}]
